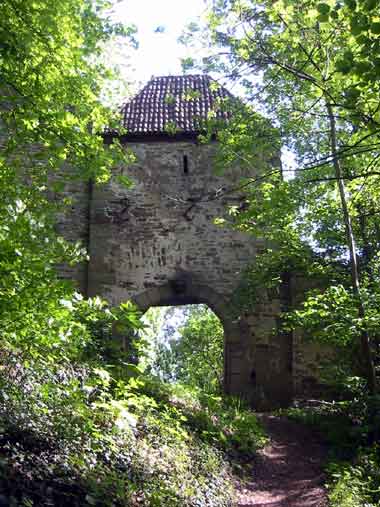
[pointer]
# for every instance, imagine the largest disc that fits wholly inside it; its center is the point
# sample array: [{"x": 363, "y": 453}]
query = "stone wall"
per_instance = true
[
  {"x": 73, "y": 224},
  {"x": 308, "y": 356},
  {"x": 149, "y": 234},
  {"x": 156, "y": 243}
]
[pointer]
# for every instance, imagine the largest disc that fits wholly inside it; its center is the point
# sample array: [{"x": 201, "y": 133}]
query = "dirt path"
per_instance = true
[{"x": 288, "y": 471}]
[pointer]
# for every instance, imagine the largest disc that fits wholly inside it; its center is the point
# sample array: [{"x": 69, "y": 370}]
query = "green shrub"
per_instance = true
[
  {"x": 81, "y": 425},
  {"x": 353, "y": 469},
  {"x": 356, "y": 485},
  {"x": 81, "y": 432},
  {"x": 223, "y": 421}
]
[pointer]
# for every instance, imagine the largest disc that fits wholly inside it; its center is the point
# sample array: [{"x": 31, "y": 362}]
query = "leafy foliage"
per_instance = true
[
  {"x": 347, "y": 426},
  {"x": 78, "y": 424},
  {"x": 310, "y": 68},
  {"x": 222, "y": 421},
  {"x": 195, "y": 356},
  {"x": 50, "y": 85},
  {"x": 355, "y": 486},
  {"x": 86, "y": 430}
]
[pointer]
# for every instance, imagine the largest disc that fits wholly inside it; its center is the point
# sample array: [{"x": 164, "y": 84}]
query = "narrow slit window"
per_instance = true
[{"x": 185, "y": 164}]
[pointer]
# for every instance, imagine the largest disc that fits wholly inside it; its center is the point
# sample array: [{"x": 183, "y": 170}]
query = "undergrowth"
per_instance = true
[
  {"x": 86, "y": 427},
  {"x": 350, "y": 428}
]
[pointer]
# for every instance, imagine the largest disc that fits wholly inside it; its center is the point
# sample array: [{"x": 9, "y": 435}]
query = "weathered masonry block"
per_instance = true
[{"x": 156, "y": 242}]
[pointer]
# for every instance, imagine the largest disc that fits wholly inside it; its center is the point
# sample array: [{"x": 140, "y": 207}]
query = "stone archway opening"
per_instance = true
[
  {"x": 185, "y": 344},
  {"x": 255, "y": 363},
  {"x": 183, "y": 289}
]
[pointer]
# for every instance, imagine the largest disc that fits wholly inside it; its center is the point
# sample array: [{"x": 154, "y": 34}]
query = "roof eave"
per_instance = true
[{"x": 154, "y": 137}]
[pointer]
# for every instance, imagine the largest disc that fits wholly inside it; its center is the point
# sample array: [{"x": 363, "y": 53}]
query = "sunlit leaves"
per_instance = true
[
  {"x": 55, "y": 40},
  {"x": 307, "y": 65},
  {"x": 51, "y": 116},
  {"x": 375, "y": 28}
]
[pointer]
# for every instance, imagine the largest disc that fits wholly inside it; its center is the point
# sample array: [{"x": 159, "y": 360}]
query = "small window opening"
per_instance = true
[{"x": 185, "y": 164}]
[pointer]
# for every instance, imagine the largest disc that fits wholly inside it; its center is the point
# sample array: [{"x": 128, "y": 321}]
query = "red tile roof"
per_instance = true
[{"x": 175, "y": 104}]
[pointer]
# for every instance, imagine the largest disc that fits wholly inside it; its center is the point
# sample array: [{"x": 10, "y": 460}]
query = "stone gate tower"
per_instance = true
[{"x": 156, "y": 243}]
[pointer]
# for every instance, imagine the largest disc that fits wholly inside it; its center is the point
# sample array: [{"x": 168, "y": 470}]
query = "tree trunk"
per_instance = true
[{"x": 366, "y": 353}]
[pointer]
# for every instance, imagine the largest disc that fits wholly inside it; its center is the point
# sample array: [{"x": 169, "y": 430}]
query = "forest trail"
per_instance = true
[{"x": 288, "y": 471}]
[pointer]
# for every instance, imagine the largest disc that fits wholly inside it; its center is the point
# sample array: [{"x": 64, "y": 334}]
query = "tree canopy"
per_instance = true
[
  {"x": 310, "y": 68},
  {"x": 190, "y": 352}
]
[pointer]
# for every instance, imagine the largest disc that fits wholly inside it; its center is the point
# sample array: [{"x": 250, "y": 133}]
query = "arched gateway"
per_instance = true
[{"x": 156, "y": 243}]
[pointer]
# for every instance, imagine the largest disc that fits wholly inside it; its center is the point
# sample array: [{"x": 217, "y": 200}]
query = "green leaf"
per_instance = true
[
  {"x": 343, "y": 66},
  {"x": 323, "y": 18},
  {"x": 323, "y": 8},
  {"x": 351, "y": 4},
  {"x": 123, "y": 180},
  {"x": 375, "y": 28},
  {"x": 363, "y": 67},
  {"x": 371, "y": 4},
  {"x": 352, "y": 94}
]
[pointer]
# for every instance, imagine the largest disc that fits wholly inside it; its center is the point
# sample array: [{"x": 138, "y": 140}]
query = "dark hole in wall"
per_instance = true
[{"x": 185, "y": 164}]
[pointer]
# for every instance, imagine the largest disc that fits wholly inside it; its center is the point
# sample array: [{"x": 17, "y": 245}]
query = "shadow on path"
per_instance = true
[{"x": 288, "y": 471}]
